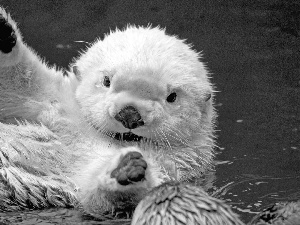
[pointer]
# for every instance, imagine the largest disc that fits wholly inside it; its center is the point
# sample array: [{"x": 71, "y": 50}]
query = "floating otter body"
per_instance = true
[{"x": 135, "y": 110}]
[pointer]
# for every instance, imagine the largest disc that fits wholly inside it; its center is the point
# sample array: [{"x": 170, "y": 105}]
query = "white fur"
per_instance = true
[{"x": 145, "y": 65}]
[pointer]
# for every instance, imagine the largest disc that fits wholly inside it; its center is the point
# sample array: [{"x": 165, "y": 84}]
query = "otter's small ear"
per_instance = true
[
  {"x": 207, "y": 96},
  {"x": 76, "y": 72}
]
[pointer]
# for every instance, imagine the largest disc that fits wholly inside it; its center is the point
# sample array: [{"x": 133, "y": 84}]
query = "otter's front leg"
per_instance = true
[
  {"x": 121, "y": 182},
  {"x": 28, "y": 86},
  {"x": 17, "y": 63}
]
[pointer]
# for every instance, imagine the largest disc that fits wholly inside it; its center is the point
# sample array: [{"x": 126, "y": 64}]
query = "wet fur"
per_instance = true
[{"x": 57, "y": 145}]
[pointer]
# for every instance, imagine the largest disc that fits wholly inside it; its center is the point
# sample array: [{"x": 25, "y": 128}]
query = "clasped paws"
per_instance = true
[{"x": 131, "y": 169}]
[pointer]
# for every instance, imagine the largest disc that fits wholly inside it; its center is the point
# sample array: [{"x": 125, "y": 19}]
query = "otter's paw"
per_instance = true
[
  {"x": 131, "y": 169},
  {"x": 8, "y": 36}
]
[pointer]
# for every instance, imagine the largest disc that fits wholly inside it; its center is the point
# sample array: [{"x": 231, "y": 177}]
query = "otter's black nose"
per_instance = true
[{"x": 130, "y": 117}]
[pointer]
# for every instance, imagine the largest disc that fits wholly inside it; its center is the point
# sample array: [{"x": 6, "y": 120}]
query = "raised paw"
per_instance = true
[
  {"x": 8, "y": 37},
  {"x": 131, "y": 169}
]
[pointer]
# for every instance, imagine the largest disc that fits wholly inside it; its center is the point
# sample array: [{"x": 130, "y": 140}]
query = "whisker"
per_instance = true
[
  {"x": 86, "y": 122},
  {"x": 158, "y": 141},
  {"x": 101, "y": 130},
  {"x": 156, "y": 138},
  {"x": 164, "y": 139},
  {"x": 176, "y": 172},
  {"x": 178, "y": 138},
  {"x": 163, "y": 154}
]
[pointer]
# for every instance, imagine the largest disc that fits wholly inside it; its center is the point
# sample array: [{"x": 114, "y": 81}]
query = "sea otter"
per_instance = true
[{"x": 132, "y": 111}]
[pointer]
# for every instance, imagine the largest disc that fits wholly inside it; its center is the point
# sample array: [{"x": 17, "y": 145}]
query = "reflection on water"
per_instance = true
[
  {"x": 52, "y": 216},
  {"x": 49, "y": 216}
]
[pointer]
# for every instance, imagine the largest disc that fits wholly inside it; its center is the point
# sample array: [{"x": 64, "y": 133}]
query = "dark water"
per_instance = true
[{"x": 253, "y": 52}]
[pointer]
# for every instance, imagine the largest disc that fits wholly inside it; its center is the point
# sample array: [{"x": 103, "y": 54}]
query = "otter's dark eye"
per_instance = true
[
  {"x": 106, "y": 81},
  {"x": 172, "y": 97}
]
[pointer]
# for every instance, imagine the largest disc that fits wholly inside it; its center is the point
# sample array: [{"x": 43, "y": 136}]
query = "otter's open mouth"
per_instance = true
[{"x": 129, "y": 136}]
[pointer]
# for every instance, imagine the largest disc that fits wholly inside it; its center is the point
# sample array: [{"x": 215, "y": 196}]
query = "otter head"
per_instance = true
[{"x": 143, "y": 83}]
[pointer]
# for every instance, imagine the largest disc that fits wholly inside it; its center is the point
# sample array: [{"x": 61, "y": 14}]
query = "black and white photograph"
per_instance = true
[{"x": 157, "y": 112}]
